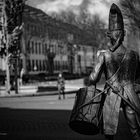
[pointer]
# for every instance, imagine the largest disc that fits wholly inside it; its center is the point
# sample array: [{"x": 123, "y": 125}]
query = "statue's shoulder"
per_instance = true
[
  {"x": 132, "y": 53},
  {"x": 105, "y": 53},
  {"x": 102, "y": 52}
]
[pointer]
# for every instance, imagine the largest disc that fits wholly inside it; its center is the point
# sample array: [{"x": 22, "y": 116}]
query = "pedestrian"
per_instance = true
[
  {"x": 61, "y": 86},
  {"x": 120, "y": 66}
]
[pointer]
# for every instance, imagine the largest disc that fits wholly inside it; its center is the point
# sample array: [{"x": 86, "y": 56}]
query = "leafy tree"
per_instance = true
[
  {"x": 14, "y": 41},
  {"x": 131, "y": 11},
  {"x": 91, "y": 24},
  {"x": 13, "y": 12},
  {"x": 11, "y": 29}
]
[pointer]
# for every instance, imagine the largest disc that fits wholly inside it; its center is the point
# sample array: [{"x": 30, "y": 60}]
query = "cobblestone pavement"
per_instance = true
[{"x": 48, "y": 123}]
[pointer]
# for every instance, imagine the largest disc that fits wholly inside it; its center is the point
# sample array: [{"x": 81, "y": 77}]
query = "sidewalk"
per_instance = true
[{"x": 46, "y": 88}]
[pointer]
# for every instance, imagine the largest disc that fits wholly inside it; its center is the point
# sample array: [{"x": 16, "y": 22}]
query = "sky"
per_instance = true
[{"x": 100, "y": 7}]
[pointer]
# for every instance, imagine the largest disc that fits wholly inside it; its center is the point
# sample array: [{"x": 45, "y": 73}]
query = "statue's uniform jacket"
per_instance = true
[{"x": 123, "y": 79}]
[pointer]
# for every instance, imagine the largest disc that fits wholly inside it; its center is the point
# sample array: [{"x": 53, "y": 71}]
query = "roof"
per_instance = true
[{"x": 84, "y": 36}]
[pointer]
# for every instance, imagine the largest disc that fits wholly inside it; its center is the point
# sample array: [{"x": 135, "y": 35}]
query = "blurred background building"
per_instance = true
[
  {"x": 66, "y": 41},
  {"x": 49, "y": 45}
]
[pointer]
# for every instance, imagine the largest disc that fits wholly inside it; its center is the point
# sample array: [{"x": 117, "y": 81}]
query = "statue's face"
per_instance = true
[{"x": 114, "y": 36}]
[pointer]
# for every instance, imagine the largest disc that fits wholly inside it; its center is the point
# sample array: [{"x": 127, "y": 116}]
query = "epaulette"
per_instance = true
[{"x": 100, "y": 51}]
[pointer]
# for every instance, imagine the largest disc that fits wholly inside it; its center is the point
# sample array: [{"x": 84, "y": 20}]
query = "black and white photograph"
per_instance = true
[{"x": 69, "y": 69}]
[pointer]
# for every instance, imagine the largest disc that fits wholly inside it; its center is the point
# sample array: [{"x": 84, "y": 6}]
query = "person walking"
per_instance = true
[
  {"x": 121, "y": 68},
  {"x": 61, "y": 86}
]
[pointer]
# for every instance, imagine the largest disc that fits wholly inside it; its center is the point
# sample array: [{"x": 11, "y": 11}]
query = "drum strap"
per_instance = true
[
  {"x": 107, "y": 87},
  {"x": 129, "y": 103},
  {"x": 117, "y": 91}
]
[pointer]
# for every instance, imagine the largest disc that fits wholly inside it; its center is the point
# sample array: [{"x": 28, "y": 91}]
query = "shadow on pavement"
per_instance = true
[
  {"x": 29, "y": 124},
  {"x": 26, "y": 124},
  {"x": 47, "y": 88}
]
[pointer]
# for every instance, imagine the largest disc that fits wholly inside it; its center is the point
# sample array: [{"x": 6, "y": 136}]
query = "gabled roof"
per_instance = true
[
  {"x": 37, "y": 12},
  {"x": 84, "y": 36}
]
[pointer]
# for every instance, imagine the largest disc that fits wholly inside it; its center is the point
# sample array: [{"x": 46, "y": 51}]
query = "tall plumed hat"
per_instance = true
[{"x": 115, "y": 18}]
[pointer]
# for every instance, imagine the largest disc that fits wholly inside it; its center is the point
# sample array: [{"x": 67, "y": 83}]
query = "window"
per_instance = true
[
  {"x": 43, "y": 49},
  {"x": 29, "y": 47},
  {"x": 44, "y": 65},
  {"x": 35, "y": 29},
  {"x": 39, "y": 45},
  {"x": 64, "y": 64},
  {"x": 32, "y": 48},
  {"x": 33, "y": 64},
  {"x": 29, "y": 65},
  {"x": 36, "y": 47},
  {"x": 40, "y": 65},
  {"x": 55, "y": 67},
  {"x": 37, "y": 66}
]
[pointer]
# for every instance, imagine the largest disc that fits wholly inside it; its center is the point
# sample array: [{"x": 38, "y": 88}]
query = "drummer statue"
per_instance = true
[{"x": 120, "y": 66}]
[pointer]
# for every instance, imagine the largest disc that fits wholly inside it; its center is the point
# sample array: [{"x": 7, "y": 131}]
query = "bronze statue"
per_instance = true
[{"x": 120, "y": 66}]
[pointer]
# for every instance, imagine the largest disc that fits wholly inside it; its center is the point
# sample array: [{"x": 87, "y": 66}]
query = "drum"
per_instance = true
[{"x": 86, "y": 114}]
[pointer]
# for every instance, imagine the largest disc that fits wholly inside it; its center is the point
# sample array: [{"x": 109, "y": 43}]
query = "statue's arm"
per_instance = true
[
  {"x": 97, "y": 70},
  {"x": 137, "y": 76}
]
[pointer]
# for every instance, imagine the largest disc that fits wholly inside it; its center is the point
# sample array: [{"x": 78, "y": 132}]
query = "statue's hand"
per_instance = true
[
  {"x": 115, "y": 90},
  {"x": 87, "y": 81}
]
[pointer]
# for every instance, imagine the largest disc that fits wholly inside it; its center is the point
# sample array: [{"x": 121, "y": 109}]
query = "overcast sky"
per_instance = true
[{"x": 100, "y": 7}]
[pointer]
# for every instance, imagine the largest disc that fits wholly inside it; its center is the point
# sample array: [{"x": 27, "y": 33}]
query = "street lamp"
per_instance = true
[
  {"x": 61, "y": 57},
  {"x": 70, "y": 48}
]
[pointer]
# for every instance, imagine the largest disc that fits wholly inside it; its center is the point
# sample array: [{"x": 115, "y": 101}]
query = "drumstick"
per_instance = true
[{"x": 129, "y": 103}]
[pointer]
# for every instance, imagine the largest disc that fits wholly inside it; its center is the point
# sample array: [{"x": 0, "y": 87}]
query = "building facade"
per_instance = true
[{"x": 50, "y": 46}]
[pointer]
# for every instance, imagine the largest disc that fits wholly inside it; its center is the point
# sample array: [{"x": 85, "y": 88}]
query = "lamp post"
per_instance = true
[
  {"x": 61, "y": 57},
  {"x": 51, "y": 56},
  {"x": 70, "y": 48}
]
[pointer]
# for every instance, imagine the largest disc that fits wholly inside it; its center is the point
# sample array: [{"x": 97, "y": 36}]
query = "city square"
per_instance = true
[
  {"x": 44, "y": 117},
  {"x": 69, "y": 70}
]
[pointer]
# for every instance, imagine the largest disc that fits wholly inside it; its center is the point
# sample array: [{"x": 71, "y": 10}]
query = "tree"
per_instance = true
[
  {"x": 131, "y": 11},
  {"x": 14, "y": 10},
  {"x": 91, "y": 24},
  {"x": 14, "y": 47},
  {"x": 12, "y": 29},
  {"x": 66, "y": 17},
  {"x": 12, "y": 16}
]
